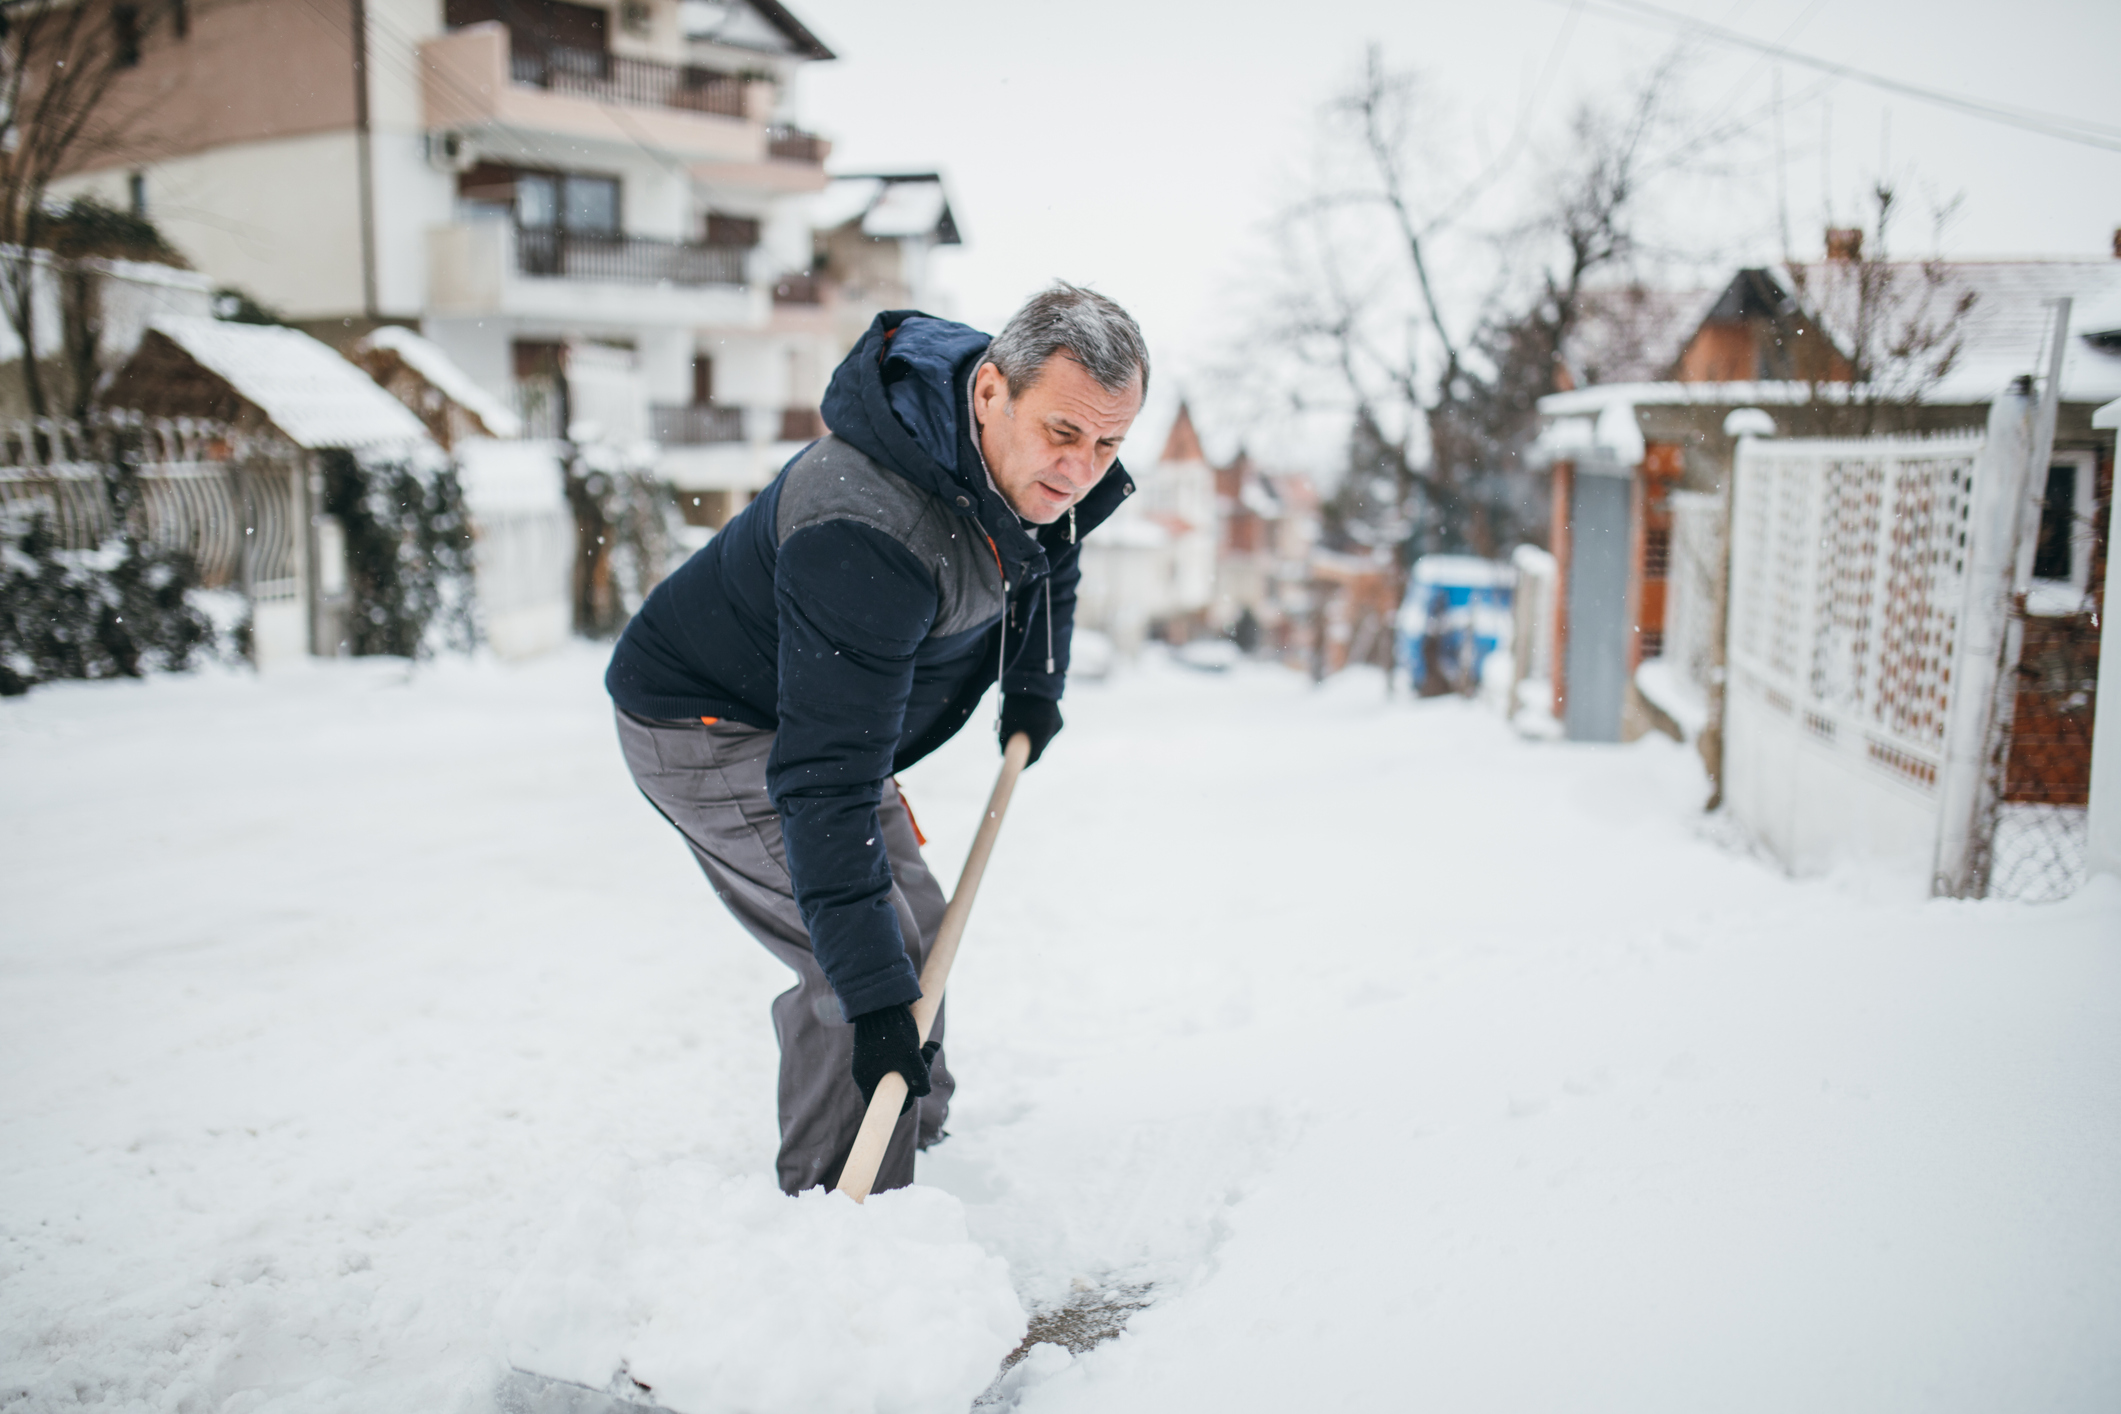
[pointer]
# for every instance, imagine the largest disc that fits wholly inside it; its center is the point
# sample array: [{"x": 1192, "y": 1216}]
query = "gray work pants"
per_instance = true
[{"x": 710, "y": 782}]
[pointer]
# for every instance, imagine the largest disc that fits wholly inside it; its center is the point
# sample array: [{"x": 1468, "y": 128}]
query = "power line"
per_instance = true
[{"x": 2055, "y": 125}]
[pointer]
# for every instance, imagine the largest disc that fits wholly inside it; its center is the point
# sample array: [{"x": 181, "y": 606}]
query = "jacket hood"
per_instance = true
[{"x": 902, "y": 398}]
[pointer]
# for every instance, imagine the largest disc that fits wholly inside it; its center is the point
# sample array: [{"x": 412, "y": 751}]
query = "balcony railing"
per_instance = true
[
  {"x": 802, "y": 424},
  {"x": 625, "y": 260},
  {"x": 612, "y": 78},
  {"x": 697, "y": 426},
  {"x": 795, "y": 145}
]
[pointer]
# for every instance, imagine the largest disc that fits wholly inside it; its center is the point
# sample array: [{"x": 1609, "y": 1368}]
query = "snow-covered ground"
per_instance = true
[{"x": 1408, "y": 1065}]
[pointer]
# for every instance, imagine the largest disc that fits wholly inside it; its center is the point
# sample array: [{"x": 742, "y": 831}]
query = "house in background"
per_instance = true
[
  {"x": 1772, "y": 354},
  {"x": 1206, "y": 549},
  {"x": 1150, "y": 569},
  {"x": 600, "y": 212},
  {"x": 876, "y": 239}
]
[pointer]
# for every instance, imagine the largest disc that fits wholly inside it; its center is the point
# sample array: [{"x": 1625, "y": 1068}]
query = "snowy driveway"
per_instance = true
[{"x": 1409, "y": 1065}]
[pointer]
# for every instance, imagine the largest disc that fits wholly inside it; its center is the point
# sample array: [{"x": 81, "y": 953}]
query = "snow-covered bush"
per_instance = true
[
  {"x": 408, "y": 554},
  {"x": 118, "y": 610}
]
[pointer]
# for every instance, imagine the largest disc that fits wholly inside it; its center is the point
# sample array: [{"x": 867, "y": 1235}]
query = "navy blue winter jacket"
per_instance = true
[{"x": 859, "y": 608}]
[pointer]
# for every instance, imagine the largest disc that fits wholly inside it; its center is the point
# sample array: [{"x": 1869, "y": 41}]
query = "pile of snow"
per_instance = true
[{"x": 719, "y": 1293}]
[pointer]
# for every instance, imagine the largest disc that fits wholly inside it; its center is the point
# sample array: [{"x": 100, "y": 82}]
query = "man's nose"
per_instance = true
[{"x": 1079, "y": 465}]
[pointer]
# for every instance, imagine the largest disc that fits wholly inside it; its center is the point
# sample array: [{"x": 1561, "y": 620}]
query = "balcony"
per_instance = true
[
  {"x": 795, "y": 145},
  {"x": 614, "y": 78},
  {"x": 700, "y": 425},
  {"x": 799, "y": 287},
  {"x": 473, "y": 80},
  {"x": 625, "y": 260},
  {"x": 802, "y": 424},
  {"x": 488, "y": 267}
]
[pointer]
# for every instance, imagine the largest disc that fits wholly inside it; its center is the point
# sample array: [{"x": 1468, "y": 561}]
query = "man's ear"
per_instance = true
[{"x": 990, "y": 391}]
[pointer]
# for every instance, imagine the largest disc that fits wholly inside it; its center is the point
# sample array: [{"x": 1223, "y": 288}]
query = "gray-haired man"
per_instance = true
[{"x": 844, "y": 626}]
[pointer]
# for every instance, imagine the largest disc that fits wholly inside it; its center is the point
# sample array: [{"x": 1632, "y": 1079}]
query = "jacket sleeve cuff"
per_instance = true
[{"x": 898, "y": 987}]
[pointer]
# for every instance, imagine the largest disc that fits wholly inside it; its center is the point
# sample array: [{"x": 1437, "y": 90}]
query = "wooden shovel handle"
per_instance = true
[{"x": 859, "y": 1174}]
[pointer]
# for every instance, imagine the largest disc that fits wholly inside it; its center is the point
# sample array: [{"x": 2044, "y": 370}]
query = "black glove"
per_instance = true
[
  {"x": 888, "y": 1040},
  {"x": 1036, "y": 717}
]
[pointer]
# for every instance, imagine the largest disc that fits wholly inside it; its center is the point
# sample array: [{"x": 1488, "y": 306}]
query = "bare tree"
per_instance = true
[
  {"x": 1441, "y": 369},
  {"x": 1900, "y": 326},
  {"x": 60, "y": 64}
]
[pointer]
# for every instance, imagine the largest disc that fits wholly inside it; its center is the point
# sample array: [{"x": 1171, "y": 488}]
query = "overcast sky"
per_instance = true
[{"x": 1140, "y": 146}]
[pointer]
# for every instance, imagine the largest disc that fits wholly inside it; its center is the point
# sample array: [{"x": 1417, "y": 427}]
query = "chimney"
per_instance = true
[{"x": 1846, "y": 243}]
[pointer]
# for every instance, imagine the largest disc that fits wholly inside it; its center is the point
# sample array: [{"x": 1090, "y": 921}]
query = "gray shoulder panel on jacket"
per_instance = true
[{"x": 835, "y": 481}]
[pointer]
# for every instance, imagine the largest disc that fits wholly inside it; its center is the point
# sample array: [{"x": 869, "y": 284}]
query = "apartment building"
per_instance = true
[{"x": 600, "y": 211}]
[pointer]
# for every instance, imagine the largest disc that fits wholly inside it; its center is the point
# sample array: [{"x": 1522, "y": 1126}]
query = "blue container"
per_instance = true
[{"x": 1456, "y": 613}]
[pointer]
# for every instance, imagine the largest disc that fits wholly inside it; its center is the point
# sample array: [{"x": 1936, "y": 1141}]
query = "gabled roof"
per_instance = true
[
  {"x": 1632, "y": 333},
  {"x": 1183, "y": 445},
  {"x": 806, "y": 44},
  {"x": 758, "y": 24},
  {"x": 2003, "y": 332},
  {"x": 300, "y": 385},
  {"x": 890, "y": 206}
]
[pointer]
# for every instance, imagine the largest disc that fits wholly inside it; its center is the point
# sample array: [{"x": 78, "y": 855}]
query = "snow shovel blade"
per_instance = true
[{"x": 523, "y": 1392}]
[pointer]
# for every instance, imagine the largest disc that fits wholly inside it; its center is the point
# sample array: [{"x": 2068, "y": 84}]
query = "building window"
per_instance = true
[
  {"x": 737, "y": 232},
  {"x": 702, "y": 380},
  {"x": 542, "y": 201},
  {"x": 136, "y": 194},
  {"x": 2063, "y": 552},
  {"x": 579, "y": 205},
  {"x": 125, "y": 34},
  {"x": 1656, "y": 552},
  {"x": 180, "y": 18}
]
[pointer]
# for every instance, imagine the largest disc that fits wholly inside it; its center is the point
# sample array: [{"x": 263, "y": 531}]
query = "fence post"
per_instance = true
[
  {"x": 2102, "y": 845},
  {"x": 2005, "y": 519},
  {"x": 1991, "y": 563}
]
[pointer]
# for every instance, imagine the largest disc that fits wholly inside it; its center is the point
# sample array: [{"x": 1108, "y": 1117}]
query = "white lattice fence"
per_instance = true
[{"x": 1849, "y": 589}]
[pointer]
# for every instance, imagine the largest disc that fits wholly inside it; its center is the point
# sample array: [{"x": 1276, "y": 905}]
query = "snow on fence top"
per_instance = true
[
  {"x": 311, "y": 394},
  {"x": 427, "y": 359}
]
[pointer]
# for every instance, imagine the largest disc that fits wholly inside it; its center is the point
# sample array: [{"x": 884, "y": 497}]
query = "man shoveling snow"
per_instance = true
[{"x": 844, "y": 626}]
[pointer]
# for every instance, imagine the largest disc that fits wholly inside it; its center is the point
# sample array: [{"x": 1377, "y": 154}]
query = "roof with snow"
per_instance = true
[
  {"x": 299, "y": 384},
  {"x": 890, "y": 206},
  {"x": 750, "y": 24},
  {"x": 426, "y": 358},
  {"x": 2003, "y": 332},
  {"x": 1632, "y": 333}
]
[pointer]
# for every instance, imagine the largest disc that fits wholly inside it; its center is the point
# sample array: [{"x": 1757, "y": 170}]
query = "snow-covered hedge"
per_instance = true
[
  {"x": 408, "y": 554},
  {"x": 118, "y": 610}
]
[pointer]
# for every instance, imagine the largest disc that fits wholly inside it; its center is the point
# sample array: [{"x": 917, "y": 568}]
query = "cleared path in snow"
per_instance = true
[{"x": 1411, "y": 1065}]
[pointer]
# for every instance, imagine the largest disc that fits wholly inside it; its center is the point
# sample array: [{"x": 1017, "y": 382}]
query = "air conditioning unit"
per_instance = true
[{"x": 450, "y": 152}]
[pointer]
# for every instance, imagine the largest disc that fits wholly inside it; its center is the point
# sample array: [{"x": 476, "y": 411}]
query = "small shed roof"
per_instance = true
[
  {"x": 299, "y": 384},
  {"x": 426, "y": 358}
]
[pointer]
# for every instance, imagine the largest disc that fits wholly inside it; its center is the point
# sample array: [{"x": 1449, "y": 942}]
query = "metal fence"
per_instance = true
[
  {"x": 613, "y": 78},
  {"x": 625, "y": 260},
  {"x": 201, "y": 491},
  {"x": 698, "y": 425}
]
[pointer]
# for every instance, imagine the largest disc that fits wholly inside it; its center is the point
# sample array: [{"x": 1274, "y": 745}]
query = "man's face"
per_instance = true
[{"x": 1050, "y": 445}]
